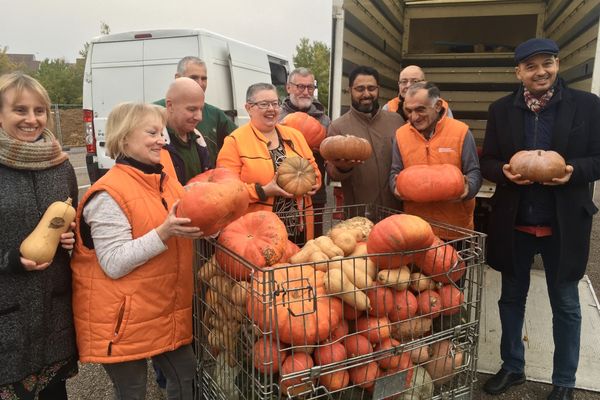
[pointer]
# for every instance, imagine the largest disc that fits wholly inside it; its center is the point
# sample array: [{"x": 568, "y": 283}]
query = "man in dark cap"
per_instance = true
[{"x": 553, "y": 218}]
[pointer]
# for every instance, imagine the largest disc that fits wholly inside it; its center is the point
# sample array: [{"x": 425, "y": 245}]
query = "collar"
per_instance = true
[
  {"x": 174, "y": 137},
  {"x": 145, "y": 168}
]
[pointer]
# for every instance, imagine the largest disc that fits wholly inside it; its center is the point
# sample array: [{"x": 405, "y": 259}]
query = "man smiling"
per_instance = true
[{"x": 551, "y": 218}]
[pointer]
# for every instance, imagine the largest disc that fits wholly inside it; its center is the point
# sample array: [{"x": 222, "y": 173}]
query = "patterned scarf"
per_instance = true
[
  {"x": 534, "y": 103},
  {"x": 41, "y": 154}
]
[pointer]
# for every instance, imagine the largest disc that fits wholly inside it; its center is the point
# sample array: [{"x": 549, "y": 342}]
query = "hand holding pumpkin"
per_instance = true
[
  {"x": 31, "y": 265},
  {"x": 273, "y": 189},
  {"x": 67, "y": 239},
  {"x": 564, "y": 179},
  {"x": 515, "y": 178},
  {"x": 173, "y": 226}
]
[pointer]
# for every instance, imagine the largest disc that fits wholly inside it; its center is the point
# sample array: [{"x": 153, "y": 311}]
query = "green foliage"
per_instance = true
[
  {"x": 63, "y": 81},
  {"x": 6, "y": 65},
  {"x": 315, "y": 56},
  {"x": 104, "y": 30}
]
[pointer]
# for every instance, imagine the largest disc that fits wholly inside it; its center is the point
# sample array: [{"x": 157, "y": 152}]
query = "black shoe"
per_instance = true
[
  {"x": 561, "y": 393},
  {"x": 500, "y": 382}
]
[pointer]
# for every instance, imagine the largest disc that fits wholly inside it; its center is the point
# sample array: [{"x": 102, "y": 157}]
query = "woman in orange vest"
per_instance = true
[
  {"x": 254, "y": 151},
  {"x": 132, "y": 263}
]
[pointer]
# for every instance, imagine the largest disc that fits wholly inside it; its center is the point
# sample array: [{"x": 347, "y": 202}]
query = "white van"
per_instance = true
[{"x": 139, "y": 66}]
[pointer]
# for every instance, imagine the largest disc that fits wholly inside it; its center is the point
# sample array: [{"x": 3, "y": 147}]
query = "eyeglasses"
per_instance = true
[
  {"x": 302, "y": 87},
  {"x": 361, "y": 89},
  {"x": 405, "y": 82},
  {"x": 263, "y": 105}
]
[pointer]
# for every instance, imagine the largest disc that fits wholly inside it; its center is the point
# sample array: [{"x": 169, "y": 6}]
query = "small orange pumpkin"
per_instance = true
[
  {"x": 345, "y": 147},
  {"x": 310, "y": 127},
  {"x": 296, "y": 175},
  {"x": 426, "y": 183},
  {"x": 538, "y": 165}
]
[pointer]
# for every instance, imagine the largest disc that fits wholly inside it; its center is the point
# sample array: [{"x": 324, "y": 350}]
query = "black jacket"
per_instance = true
[{"x": 576, "y": 136}]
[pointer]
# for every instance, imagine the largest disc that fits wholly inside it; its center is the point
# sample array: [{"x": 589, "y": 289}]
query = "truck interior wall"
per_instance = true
[{"x": 573, "y": 24}]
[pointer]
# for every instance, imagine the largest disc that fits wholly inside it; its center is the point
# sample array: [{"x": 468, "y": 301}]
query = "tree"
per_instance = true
[
  {"x": 104, "y": 30},
  {"x": 63, "y": 81},
  {"x": 315, "y": 56},
  {"x": 6, "y": 65}
]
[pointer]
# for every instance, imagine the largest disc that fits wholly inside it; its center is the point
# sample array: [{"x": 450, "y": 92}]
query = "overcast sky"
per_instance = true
[{"x": 58, "y": 28}]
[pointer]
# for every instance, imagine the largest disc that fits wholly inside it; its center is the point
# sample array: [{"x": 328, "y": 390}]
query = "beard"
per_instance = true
[
  {"x": 366, "y": 108},
  {"x": 300, "y": 103}
]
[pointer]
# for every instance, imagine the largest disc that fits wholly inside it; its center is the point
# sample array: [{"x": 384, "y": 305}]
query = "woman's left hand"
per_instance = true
[{"x": 67, "y": 239}]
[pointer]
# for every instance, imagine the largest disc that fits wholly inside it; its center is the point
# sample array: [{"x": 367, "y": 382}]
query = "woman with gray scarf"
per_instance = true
[{"x": 37, "y": 339}]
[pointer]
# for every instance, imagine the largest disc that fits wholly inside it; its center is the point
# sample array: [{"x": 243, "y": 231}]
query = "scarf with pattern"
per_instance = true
[
  {"x": 42, "y": 154},
  {"x": 536, "y": 104}
]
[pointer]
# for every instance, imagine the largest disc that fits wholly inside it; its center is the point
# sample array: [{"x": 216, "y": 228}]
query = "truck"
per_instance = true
[
  {"x": 140, "y": 65},
  {"x": 466, "y": 47}
]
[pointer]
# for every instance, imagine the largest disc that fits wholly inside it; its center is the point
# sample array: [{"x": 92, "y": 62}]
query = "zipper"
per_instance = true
[
  {"x": 117, "y": 326},
  {"x": 161, "y": 191},
  {"x": 535, "y": 130}
]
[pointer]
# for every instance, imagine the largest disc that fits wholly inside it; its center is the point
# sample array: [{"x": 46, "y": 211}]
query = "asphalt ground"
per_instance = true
[{"x": 93, "y": 383}]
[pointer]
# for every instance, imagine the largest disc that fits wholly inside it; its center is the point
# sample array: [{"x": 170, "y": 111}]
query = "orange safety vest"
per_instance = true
[
  {"x": 149, "y": 310},
  {"x": 393, "y": 104},
  {"x": 245, "y": 152},
  {"x": 444, "y": 147}
]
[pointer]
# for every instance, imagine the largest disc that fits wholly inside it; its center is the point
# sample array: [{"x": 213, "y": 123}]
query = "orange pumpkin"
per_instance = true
[
  {"x": 442, "y": 262},
  {"x": 404, "y": 306},
  {"x": 426, "y": 183},
  {"x": 295, "y": 363},
  {"x": 310, "y": 127},
  {"x": 290, "y": 249},
  {"x": 259, "y": 237},
  {"x": 296, "y": 175},
  {"x": 213, "y": 199},
  {"x": 452, "y": 298},
  {"x": 357, "y": 345},
  {"x": 335, "y": 380},
  {"x": 300, "y": 309},
  {"x": 429, "y": 303},
  {"x": 445, "y": 359},
  {"x": 329, "y": 353},
  {"x": 340, "y": 331},
  {"x": 374, "y": 329},
  {"x": 365, "y": 375},
  {"x": 398, "y": 233},
  {"x": 381, "y": 300},
  {"x": 394, "y": 361},
  {"x": 345, "y": 147},
  {"x": 267, "y": 355},
  {"x": 538, "y": 165}
]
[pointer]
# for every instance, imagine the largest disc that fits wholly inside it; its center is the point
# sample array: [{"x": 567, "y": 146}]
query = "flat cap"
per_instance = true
[{"x": 535, "y": 46}]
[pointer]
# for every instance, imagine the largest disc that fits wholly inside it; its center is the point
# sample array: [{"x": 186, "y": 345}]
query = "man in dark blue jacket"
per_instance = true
[{"x": 551, "y": 218}]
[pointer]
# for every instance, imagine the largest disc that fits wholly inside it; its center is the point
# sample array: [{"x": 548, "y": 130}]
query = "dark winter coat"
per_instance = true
[
  {"x": 36, "y": 319},
  {"x": 575, "y": 134}
]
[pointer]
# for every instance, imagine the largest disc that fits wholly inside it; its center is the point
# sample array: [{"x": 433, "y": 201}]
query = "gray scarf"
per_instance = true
[{"x": 41, "y": 154}]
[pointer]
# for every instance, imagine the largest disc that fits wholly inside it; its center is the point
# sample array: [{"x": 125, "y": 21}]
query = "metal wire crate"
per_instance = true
[{"x": 240, "y": 344}]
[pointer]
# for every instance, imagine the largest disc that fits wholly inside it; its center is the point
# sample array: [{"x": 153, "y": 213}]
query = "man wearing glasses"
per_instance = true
[
  {"x": 366, "y": 182},
  {"x": 408, "y": 76},
  {"x": 301, "y": 89}
]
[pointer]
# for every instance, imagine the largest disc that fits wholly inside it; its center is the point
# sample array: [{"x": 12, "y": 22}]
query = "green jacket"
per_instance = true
[{"x": 215, "y": 125}]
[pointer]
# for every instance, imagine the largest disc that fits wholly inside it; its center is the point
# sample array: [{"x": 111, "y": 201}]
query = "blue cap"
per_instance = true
[{"x": 535, "y": 46}]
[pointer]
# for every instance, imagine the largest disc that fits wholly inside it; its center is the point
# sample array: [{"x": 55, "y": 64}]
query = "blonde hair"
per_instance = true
[
  {"x": 21, "y": 82},
  {"x": 123, "y": 119}
]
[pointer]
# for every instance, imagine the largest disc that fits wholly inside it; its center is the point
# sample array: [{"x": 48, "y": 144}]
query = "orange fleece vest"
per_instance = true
[
  {"x": 245, "y": 152},
  {"x": 444, "y": 147},
  {"x": 148, "y": 311}
]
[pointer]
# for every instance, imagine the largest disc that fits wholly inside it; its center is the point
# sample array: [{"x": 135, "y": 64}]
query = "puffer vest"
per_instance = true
[
  {"x": 148, "y": 311},
  {"x": 444, "y": 147}
]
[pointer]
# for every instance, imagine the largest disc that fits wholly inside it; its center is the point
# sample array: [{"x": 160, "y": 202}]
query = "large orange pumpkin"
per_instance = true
[
  {"x": 295, "y": 363},
  {"x": 296, "y": 175},
  {"x": 292, "y": 300},
  {"x": 398, "y": 233},
  {"x": 310, "y": 127},
  {"x": 213, "y": 199},
  {"x": 426, "y": 183},
  {"x": 538, "y": 165},
  {"x": 441, "y": 263},
  {"x": 268, "y": 356},
  {"x": 345, "y": 147},
  {"x": 259, "y": 237}
]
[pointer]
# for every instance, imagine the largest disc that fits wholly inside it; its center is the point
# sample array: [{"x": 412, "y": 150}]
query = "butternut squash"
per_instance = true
[
  {"x": 395, "y": 278},
  {"x": 41, "y": 244},
  {"x": 338, "y": 284}
]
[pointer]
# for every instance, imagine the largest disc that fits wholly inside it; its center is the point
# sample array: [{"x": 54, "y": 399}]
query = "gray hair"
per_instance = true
[
  {"x": 257, "y": 87},
  {"x": 185, "y": 61},
  {"x": 433, "y": 92},
  {"x": 301, "y": 71}
]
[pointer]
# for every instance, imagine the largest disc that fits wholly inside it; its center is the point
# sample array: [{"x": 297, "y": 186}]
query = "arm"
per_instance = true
[
  {"x": 118, "y": 253},
  {"x": 397, "y": 165},
  {"x": 491, "y": 159},
  {"x": 470, "y": 166},
  {"x": 229, "y": 158}
]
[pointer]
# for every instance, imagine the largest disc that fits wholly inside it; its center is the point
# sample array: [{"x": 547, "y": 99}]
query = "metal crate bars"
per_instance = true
[{"x": 287, "y": 342}]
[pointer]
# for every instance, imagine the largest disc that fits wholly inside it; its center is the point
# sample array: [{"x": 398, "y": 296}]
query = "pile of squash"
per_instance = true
[{"x": 347, "y": 301}]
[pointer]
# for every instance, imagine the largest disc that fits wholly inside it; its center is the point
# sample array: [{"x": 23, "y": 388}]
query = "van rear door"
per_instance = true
[
  {"x": 114, "y": 64},
  {"x": 248, "y": 65}
]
